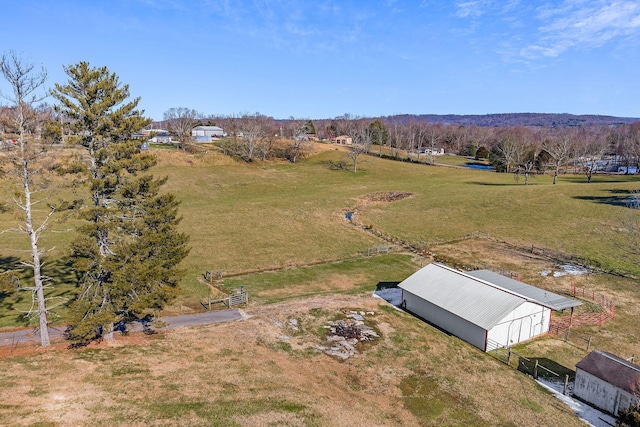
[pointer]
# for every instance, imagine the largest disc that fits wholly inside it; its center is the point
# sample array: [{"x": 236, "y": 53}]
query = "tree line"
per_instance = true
[
  {"x": 514, "y": 149},
  {"x": 522, "y": 150}
]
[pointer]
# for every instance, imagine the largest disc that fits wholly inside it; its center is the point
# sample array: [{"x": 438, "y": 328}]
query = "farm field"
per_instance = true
[
  {"x": 280, "y": 231},
  {"x": 268, "y": 370}
]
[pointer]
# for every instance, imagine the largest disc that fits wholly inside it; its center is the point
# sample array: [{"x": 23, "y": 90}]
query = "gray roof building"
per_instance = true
[
  {"x": 541, "y": 296},
  {"x": 478, "y": 311}
]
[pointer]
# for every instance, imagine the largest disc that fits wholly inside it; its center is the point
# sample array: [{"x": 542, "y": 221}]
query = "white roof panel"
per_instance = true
[{"x": 467, "y": 297}]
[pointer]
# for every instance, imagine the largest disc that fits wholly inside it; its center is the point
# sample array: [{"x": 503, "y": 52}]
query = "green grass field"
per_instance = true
[{"x": 245, "y": 218}]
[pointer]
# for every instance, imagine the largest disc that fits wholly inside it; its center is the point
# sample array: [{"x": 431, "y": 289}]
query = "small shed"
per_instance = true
[
  {"x": 476, "y": 310},
  {"x": 607, "y": 382}
]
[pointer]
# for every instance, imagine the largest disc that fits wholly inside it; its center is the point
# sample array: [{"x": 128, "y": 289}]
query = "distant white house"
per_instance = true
[
  {"x": 158, "y": 136},
  {"x": 484, "y": 309},
  {"x": 206, "y": 133},
  {"x": 607, "y": 382},
  {"x": 161, "y": 138}
]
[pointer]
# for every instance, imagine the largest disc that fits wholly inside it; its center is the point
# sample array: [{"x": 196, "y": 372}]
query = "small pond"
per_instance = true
[{"x": 480, "y": 166}]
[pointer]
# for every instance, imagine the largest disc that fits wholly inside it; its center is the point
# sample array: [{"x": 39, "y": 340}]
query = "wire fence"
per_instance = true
[
  {"x": 597, "y": 309},
  {"x": 567, "y": 335},
  {"x": 536, "y": 367}
]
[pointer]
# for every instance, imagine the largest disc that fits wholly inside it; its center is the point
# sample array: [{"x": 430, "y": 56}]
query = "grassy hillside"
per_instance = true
[
  {"x": 279, "y": 230},
  {"x": 253, "y": 217}
]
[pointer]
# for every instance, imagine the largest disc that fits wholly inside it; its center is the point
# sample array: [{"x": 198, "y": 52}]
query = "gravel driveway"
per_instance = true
[{"x": 28, "y": 335}]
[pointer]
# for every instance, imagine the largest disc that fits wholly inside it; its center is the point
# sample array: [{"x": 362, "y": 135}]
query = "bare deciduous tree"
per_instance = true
[
  {"x": 560, "y": 146},
  {"x": 24, "y": 164},
  {"x": 434, "y": 135},
  {"x": 180, "y": 122},
  {"x": 361, "y": 141},
  {"x": 258, "y": 134},
  {"x": 590, "y": 151},
  {"x": 299, "y": 143}
]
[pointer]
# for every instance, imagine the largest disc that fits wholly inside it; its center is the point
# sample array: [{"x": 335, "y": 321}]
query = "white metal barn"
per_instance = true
[
  {"x": 479, "y": 312},
  {"x": 607, "y": 381},
  {"x": 206, "y": 133}
]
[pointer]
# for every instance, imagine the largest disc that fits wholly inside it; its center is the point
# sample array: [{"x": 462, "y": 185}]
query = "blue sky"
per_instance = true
[{"x": 324, "y": 58}]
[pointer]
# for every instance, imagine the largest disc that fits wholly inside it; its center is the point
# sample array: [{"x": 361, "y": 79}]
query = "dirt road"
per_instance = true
[{"x": 29, "y": 335}]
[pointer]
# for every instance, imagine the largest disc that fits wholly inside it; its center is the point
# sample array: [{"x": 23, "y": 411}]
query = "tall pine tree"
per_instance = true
[{"x": 128, "y": 253}]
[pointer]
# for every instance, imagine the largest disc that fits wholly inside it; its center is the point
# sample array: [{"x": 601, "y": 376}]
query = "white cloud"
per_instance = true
[
  {"x": 576, "y": 24},
  {"x": 471, "y": 8}
]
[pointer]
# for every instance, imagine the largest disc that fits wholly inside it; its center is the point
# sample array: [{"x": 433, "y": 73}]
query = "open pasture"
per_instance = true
[
  {"x": 256, "y": 217},
  {"x": 280, "y": 231}
]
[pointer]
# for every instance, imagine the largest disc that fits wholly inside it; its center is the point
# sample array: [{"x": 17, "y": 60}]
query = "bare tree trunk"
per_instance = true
[
  {"x": 35, "y": 253},
  {"x": 24, "y": 84}
]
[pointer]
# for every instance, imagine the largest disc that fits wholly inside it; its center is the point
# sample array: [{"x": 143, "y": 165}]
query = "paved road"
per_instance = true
[{"x": 28, "y": 335}]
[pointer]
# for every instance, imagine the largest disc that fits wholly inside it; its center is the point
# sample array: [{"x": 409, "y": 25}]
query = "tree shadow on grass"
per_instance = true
[
  {"x": 504, "y": 184},
  {"x": 10, "y": 271},
  {"x": 599, "y": 179},
  {"x": 617, "y": 198},
  {"x": 16, "y": 299}
]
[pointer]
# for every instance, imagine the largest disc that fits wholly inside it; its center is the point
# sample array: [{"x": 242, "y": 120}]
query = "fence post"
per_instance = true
[
  {"x": 566, "y": 335},
  {"x": 509, "y": 356},
  {"x": 588, "y": 343},
  {"x": 535, "y": 370},
  {"x": 566, "y": 382}
]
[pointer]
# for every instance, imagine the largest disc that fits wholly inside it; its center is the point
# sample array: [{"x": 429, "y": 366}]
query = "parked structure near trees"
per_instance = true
[{"x": 206, "y": 133}]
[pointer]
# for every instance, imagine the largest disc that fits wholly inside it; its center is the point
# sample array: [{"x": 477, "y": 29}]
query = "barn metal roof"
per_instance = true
[
  {"x": 612, "y": 369},
  {"x": 542, "y": 297},
  {"x": 207, "y": 128},
  {"x": 467, "y": 297}
]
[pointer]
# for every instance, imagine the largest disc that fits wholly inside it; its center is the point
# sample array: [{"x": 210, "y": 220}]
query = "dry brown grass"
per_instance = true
[
  {"x": 180, "y": 158},
  {"x": 260, "y": 371}
]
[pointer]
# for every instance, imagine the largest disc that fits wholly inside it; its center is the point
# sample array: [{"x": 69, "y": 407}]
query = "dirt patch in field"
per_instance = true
[{"x": 384, "y": 197}]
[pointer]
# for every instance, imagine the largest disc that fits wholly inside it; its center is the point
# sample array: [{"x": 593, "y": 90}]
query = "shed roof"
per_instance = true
[
  {"x": 208, "y": 128},
  {"x": 612, "y": 369},
  {"x": 542, "y": 297},
  {"x": 465, "y": 296}
]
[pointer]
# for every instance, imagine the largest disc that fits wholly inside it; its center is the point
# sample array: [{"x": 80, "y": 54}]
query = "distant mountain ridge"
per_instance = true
[{"x": 517, "y": 119}]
